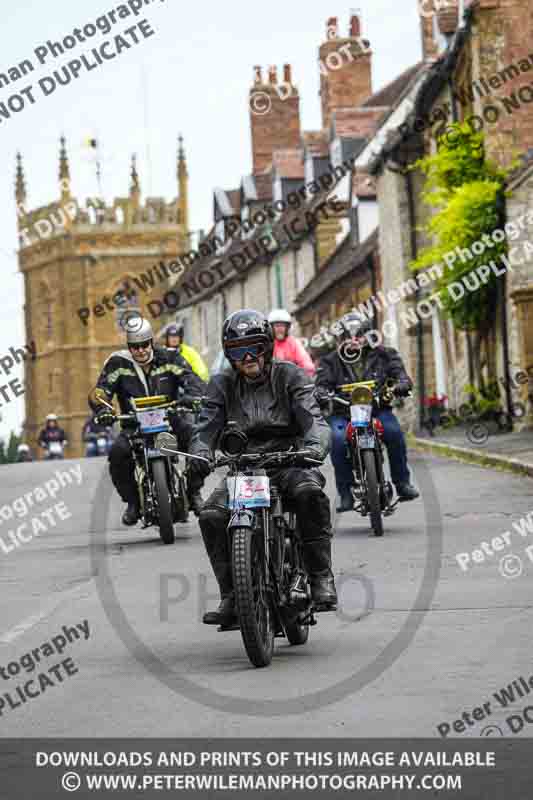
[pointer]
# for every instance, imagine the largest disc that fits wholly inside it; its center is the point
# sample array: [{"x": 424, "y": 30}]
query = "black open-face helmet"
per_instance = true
[
  {"x": 247, "y": 331},
  {"x": 350, "y": 325}
]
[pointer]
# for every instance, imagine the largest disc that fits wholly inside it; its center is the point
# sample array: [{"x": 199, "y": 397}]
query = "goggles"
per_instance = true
[
  {"x": 140, "y": 345},
  {"x": 238, "y": 352}
]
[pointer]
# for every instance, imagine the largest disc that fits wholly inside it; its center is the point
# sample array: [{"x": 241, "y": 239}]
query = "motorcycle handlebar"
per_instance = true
[{"x": 265, "y": 458}]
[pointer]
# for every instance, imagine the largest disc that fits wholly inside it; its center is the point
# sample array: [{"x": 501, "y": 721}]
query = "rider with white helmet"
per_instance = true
[
  {"x": 286, "y": 347},
  {"x": 51, "y": 432},
  {"x": 140, "y": 371}
]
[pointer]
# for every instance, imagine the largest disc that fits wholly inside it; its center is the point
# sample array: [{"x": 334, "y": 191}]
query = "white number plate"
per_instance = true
[
  {"x": 366, "y": 441},
  {"x": 248, "y": 491},
  {"x": 361, "y": 415},
  {"x": 153, "y": 421}
]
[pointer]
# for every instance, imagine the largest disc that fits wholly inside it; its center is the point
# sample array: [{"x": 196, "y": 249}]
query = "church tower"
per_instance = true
[{"x": 74, "y": 260}]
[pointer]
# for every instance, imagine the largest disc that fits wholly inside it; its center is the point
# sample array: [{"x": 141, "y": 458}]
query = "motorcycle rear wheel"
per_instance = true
[
  {"x": 373, "y": 493},
  {"x": 164, "y": 505},
  {"x": 251, "y": 600}
]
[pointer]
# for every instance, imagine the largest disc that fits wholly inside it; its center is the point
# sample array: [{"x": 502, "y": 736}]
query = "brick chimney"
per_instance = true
[
  {"x": 345, "y": 68},
  {"x": 430, "y": 49},
  {"x": 274, "y": 116},
  {"x": 448, "y": 18}
]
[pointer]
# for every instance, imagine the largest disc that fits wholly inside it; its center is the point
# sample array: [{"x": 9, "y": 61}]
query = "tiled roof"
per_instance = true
[
  {"x": 352, "y": 123},
  {"x": 389, "y": 94},
  {"x": 237, "y": 246}
]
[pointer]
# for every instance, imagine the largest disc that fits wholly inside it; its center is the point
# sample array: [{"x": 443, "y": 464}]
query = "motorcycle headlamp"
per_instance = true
[
  {"x": 362, "y": 395},
  {"x": 233, "y": 442}
]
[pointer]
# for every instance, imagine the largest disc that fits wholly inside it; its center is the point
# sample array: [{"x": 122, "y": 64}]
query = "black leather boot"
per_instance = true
[
  {"x": 131, "y": 514},
  {"x": 196, "y": 502},
  {"x": 317, "y": 560},
  {"x": 216, "y": 545},
  {"x": 406, "y": 492}
]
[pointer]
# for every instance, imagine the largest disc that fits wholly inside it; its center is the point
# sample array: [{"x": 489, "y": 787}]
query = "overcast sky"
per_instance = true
[{"x": 193, "y": 76}]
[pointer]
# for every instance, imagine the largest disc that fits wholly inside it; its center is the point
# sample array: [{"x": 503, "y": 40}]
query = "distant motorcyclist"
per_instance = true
[
  {"x": 286, "y": 347},
  {"x": 52, "y": 434},
  {"x": 174, "y": 341},
  {"x": 273, "y": 404},
  {"x": 141, "y": 371},
  {"x": 369, "y": 364},
  {"x": 23, "y": 453}
]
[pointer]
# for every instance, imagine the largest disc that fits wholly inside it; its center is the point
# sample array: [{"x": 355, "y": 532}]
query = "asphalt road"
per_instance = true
[{"x": 417, "y": 640}]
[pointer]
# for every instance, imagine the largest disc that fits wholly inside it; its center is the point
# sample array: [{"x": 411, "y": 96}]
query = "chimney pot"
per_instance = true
[
  {"x": 448, "y": 19},
  {"x": 332, "y": 30},
  {"x": 258, "y": 76},
  {"x": 355, "y": 26},
  {"x": 273, "y": 75},
  {"x": 287, "y": 76}
]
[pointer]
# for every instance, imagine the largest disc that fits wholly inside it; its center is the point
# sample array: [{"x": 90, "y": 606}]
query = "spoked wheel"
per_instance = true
[
  {"x": 251, "y": 599},
  {"x": 164, "y": 504},
  {"x": 373, "y": 493}
]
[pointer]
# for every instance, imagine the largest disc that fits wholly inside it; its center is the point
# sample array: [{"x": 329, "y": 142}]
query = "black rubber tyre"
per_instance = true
[
  {"x": 251, "y": 601},
  {"x": 295, "y": 631},
  {"x": 376, "y": 520},
  {"x": 164, "y": 504}
]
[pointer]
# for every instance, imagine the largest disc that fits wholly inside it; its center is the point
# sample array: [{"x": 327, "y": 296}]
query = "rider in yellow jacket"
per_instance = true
[{"x": 174, "y": 341}]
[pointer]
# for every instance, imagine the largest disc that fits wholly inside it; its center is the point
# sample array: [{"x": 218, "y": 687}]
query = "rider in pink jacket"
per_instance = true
[{"x": 287, "y": 348}]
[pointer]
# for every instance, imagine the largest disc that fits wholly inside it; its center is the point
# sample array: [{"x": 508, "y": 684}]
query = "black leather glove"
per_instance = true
[
  {"x": 313, "y": 453},
  {"x": 403, "y": 389},
  {"x": 198, "y": 470},
  {"x": 325, "y": 403},
  {"x": 188, "y": 400},
  {"x": 105, "y": 418}
]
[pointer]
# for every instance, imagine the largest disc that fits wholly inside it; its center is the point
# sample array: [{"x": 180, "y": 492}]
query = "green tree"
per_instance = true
[
  {"x": 9, "y": 456},
  {"x": 467, "y": 190}
]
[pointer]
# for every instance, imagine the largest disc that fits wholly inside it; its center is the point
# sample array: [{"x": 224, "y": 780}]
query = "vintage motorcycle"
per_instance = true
[
  {"x": 372, "y": 491},
  {"x": 160, "y": 480},
  {"x": 272, "y": 593},
  {"x": 54, "y": 450}
]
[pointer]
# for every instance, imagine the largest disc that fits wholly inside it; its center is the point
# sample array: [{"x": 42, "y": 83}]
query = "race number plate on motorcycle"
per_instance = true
[
  {"x": 361, "y": 415},
  {"x": 152, "y": 421},
  {"x": 55, "y": 448},
  {"x": 248, "y": 491},
  {"x": 366, "y": 442}
]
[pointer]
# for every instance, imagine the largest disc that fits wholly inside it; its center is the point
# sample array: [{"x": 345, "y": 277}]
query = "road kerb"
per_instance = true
[{"x": 467, "y": 454}]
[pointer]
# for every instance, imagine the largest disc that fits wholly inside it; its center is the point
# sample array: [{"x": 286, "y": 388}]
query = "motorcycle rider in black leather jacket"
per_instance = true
[
  {"x": 272, "y": 402},
  {"x": 354, "y": 360}
]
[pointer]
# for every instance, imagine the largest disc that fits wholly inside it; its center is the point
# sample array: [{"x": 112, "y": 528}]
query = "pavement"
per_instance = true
[
  {"x": 483, "y": 446},
  {"x": 417, "y": 639}
]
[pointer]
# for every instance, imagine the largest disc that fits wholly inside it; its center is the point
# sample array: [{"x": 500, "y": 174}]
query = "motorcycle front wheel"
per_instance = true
[
  {"x": 251, "y": 599},
  {"x": 373, "y": 493},
  {"x": 164, "y": 505}
]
